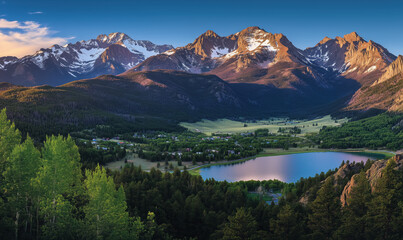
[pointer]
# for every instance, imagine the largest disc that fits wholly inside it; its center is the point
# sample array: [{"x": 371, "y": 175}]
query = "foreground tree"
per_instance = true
[
  {"x": 241, "y": 226},
  {"x": 286, "y": 226},
  {"x": 22, "y": 167},
  {"x": 384, "y": 209},
  {"x": 324, "y": 219},
  {"x": 105, "y": 215},
  {"x": 58, "y": 179},
  {"x": 354, "y": 219},
  {"x": 9, "y": 138}
]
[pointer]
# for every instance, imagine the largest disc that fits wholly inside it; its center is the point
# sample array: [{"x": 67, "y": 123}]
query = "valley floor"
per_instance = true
[{"x": 226, "y": 126}]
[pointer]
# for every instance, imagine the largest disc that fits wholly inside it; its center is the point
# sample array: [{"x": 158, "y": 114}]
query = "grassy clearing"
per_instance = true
[
  {"x": 145, "y": 164},
  {"x": 273, "y": 124},
  {"x": 261, "y": 197}
]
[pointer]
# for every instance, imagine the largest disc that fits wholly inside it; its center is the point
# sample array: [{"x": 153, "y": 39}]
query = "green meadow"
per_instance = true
[{"x": 209, "y": 127}]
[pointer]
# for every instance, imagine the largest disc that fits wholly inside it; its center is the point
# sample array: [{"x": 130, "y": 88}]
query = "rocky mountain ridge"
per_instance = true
[{"x": 107, "y": 54}]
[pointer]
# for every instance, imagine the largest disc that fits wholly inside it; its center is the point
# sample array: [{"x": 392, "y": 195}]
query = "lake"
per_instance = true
[{"x": 286, "y": 168}]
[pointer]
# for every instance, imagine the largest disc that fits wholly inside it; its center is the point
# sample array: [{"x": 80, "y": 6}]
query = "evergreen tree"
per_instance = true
[
  {"x": 241, "y": 226},
  {"x": 384, "y": 210},
  {"x": 324, "y": 219},
  {"x": 354, "y": 213},
  {"x": 286, "y": 226}
]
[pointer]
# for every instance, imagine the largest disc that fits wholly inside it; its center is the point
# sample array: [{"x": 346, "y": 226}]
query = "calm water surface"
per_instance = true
[{"x": 286, "y": 168}]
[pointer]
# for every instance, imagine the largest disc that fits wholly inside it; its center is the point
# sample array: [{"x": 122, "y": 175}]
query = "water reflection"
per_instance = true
[{"x": 287, "y": 168}]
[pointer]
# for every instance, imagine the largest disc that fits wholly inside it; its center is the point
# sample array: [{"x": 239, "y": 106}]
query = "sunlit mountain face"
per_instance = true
[{"x": 107, "y": 54}]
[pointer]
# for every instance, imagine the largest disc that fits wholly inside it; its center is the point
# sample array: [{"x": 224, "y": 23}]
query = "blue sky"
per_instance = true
[{"x": 304, "y": 22}]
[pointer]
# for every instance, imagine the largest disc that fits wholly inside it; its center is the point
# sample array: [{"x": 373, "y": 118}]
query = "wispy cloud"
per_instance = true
[
  {"x": 35, "y": 13},
  {"x": 23, "y": 38}
]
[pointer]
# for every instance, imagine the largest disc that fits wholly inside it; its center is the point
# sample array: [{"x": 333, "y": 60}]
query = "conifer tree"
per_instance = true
[
  {"x": 354, "y": 213},
  {"x": 384, "y": 210},
  {"x": 241, "y": 226},
  {"x": 324, "y": 219},
  {"x": 286, "y": 225}
]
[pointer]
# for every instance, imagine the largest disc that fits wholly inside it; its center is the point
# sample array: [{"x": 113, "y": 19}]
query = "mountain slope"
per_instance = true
[
  {"x": 351, "y": 57},
  {"x": 107, "y": 54},
  {"x": 142, "y": 100},
  {"x": 384, "y": 94}
]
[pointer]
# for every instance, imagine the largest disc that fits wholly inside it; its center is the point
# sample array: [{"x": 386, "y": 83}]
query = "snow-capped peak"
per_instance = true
[
  {"x": 81, "y": 58},
  {"x": 113, "y": 37},
  {"x": 259, "y": 39}
]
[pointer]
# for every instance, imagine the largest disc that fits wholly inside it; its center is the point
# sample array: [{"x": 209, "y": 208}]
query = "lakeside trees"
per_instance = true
[{"x": 44, "y": 195}]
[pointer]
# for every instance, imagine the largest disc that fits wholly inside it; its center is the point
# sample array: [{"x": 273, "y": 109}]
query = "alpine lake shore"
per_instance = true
[{"x": 273, "y": 133}]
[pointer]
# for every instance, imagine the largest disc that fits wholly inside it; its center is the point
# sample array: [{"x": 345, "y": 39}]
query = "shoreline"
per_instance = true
[{"x": 196, "y": 170}]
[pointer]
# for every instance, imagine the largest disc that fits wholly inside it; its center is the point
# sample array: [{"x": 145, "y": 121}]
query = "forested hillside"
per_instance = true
[
  {"x": 384, "y": 130},
  {"x": 47, "y": 194}
]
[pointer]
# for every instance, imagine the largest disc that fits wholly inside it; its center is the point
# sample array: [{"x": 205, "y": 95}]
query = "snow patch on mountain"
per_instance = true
[
  {"x": 136, "y": 47},
  {"x": 169, "y": 52},
  {"x": 371, "y": 69},
  {"x": 89, "y": 55},
  {"x": 219, "y": 52},
  {"x": 258, "y": 39},
  {"x": 80, "y": 57}
]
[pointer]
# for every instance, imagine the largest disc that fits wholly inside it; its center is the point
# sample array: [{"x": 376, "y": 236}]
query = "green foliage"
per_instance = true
[
  {"x": 262, "y": 132},
  {"x": 354, "y": 220},
  {"x": 383, "y": 213},
  {"x": 324, "y": 219},
  {"x": 384, "y": 130},
  {"x": 105, "y": 213},
  {"x": 241, "y": 226},
  {"x": 58, "y": 177},
  {"x": 287, "y": 225},
  {"x": 9, "y": 138},
  {"x": 60, "y": 170},
  {"x": 22, "y": 167},
  {"x": 44, "y": 196}
]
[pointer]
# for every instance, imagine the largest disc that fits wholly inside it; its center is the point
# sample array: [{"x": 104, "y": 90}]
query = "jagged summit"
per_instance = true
[
  {"x": 325, "y": 40},
  {"x": 107, "y": 54},
  {"x": 251, "y": 50},
  {"x": 352, "y": 57},
  {"x": 210, "y": 33},
  {"x": 353, "y": 37},
  {"x": 113, "y": 37}
]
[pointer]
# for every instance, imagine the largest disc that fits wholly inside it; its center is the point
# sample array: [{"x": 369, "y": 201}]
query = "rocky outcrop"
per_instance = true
[
  {"x": 342, "y": 173},
  {"x": 395, "y": 68},
  {"x": 346, "y": 170},
  {"x": 384, "y": 94},
  {"x": 373, "y": 175}
]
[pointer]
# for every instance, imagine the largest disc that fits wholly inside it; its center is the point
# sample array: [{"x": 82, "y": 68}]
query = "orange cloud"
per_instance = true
[{"x": 23, "y": 38}]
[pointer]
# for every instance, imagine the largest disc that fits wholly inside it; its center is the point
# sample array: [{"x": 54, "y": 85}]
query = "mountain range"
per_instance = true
[
  {"x": 107, "y": 54},
  {"x": 252, "y": 73}
]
